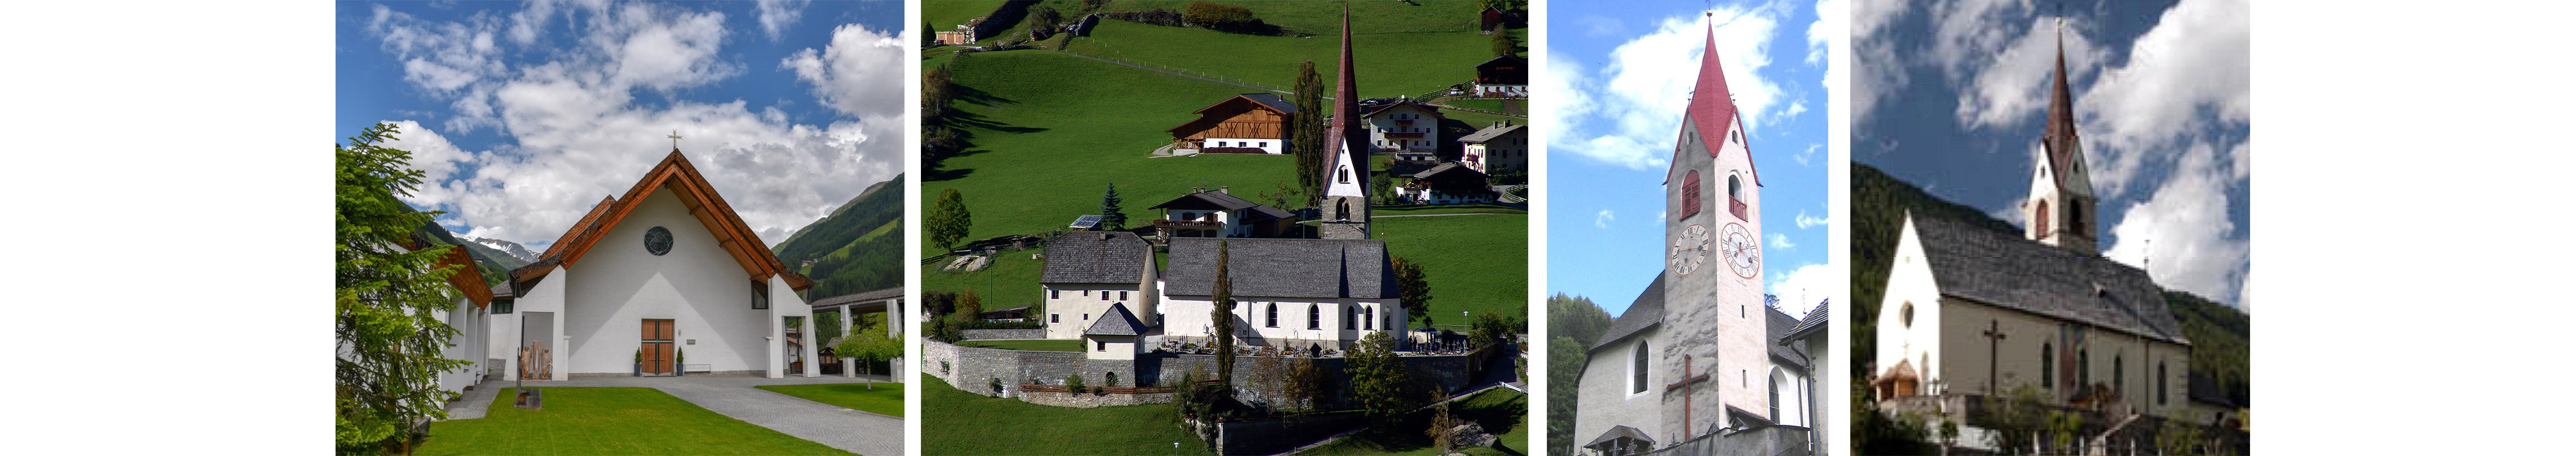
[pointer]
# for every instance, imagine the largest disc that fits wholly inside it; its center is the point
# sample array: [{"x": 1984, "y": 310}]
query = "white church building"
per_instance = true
[
  {"x": 660, "y": 280},
  {"x": 1701, "y": 363}
]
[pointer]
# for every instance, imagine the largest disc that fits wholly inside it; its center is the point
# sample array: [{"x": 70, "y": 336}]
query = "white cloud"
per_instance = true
[
  {"x": 2013, "y": 85},
  {"x": 2183, "y": 235},
  {"x": 1809, "y": 155},
  {"x": 1781, "y": 241},
  {"x": 1833, "y": 23},
  {"x": 1603, "y": 219},
  {"x": 1643, "y": 89},
  {"x": 2011, "y": 213},
  {"x": 2190, "y": 73},
  {"x": 860, "y": 73},
  {"x": 776, "y": 15},
  {"x": 576, "y": 133},
  {"x": 1800, "y": 289},
  {"x": 441, "y": 57},
  {"x": 1805, "y": 221},
  {"x": 1885, "y": 73}
]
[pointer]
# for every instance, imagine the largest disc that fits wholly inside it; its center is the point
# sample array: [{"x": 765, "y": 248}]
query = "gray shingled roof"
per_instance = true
[
  {"x": 1814, "y": 321},
  {"x": 1095, "y": 257},
  {"x": 1450, "y": 167},
  {"x": 1230, "y": 202},
  {"x": 1489, "y": 133},
  {"x": 1117, "y": 321},
  {"x": 1617, "y": 432},
  {"x": 1646, "y": 312},
  {"x": 1272, "y": 100},
  {"x": 864, "y": 296},
  {"x": 1779, "y": 324},
  {"x": 1283, "y": 268},
  {"x": 2004, "y": 270}
]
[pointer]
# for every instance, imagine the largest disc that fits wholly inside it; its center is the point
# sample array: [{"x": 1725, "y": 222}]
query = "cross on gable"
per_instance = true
[
  {"x": 1685, "y": 385},
  {"x": 675, "y": 140}
]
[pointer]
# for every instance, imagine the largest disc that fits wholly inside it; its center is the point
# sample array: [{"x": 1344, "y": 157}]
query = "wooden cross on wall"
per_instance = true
[
  {"x": 1685, "y": 385},
  {"x": 1994, "y": 348}
]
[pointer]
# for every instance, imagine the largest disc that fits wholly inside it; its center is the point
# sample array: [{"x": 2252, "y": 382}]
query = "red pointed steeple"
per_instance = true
[
  {"x": 1712, "y": 107},
  {"x": 1344, "y": 134},
  {"x": 2065, "y": 151}
]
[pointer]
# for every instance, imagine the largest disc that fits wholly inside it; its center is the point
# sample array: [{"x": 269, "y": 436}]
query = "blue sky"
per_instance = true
[
  {"x": 1618, "y": 79},
  {"x": 1953, "y": 96},
  {"x": 526, "y": 114}
]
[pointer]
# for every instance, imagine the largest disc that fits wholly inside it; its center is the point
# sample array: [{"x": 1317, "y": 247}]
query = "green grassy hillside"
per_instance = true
[
  {"x": 958, "y": 423},
  {"x": 1429, "y": 61},
  {"x": 1475, "y": 263},
  {"x": 850, "y": 247}
]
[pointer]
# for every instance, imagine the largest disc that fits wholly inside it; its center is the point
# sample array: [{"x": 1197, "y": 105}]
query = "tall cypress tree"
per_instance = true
[
  {"x": 1223, "y": 315},
  {"x": 1111, "y": 217},
  {"x": 1306, "y": 132}
]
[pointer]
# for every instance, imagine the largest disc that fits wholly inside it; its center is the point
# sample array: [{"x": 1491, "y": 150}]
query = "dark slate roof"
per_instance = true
[
  {"x": 1779, "y": 324},
  {"x": 1230, "y": 202},
  {"x": 1115, "y": 322},
  {"x": 1489, "y": 133},
  {"x": 1272, "y": 100},
  {"x": 2002, "y": 269},
  {"x": 1096, "y": 257},
  {"x": 504, "y": 290},
  {"x": 1283, "y": 268},
  {"x": 863, "y": 296},
  {"x": 1646, "y": 312},
  {"x": 1450, "y": 167},
  {"x": 1814, "y": 321}
]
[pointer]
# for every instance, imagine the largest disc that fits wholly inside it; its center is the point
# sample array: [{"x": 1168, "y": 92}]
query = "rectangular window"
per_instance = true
[
  {"x": 1086, "y": 317},
  {"x": 759, "y": 295},
  {"x": 1055, "y": 318},
  {"x": 1055, "y": 294},
  {"x": 1102, "y": 344},
  {"x": 1122, "y": 295},
  {"x": 502, "y": 306}
]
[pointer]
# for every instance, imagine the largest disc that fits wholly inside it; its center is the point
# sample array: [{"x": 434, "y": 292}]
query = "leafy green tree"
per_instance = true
[
  {"x": 1380, "y": 185},
  {"x": 1413, "y": 289},
  {"x": 1223, "y": 315},
  {"x": 1565, "y": 358},
  {"x": 1504, "y": 45},
  {"x": 1306, "y": 133},
  {"x": 1380, "y": 381},
  {"x": 391, "y": 341},
  {"x": 970, "y": 305},
  {"x": 1111, "y": 217},
  {"x": 1489, "y": 330},
  {"x": 937, "y": 90},
  {"x": 949, "y": 221},
  {"x": 827, "y": 325},
  {"x": 869, "y": 346}
]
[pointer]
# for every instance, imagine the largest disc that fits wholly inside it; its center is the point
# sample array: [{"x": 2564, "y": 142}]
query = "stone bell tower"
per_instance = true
[{"x": 1346, "y": 173}]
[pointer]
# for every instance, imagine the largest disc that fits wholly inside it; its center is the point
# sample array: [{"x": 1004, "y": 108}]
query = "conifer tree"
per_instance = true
[
  {"x": 391, "y": 341},
  {"x": 1111, "y": 217}
]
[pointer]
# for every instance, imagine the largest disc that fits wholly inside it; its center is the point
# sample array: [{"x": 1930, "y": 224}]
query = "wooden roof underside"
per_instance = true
[{"x": 676, "y": 174}]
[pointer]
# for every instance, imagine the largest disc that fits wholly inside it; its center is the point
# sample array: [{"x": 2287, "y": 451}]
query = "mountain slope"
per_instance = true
[
  {"x": 1879, "y": 203},
  {"x": 503, "y": 250},
  {"x": 854, "y": 249}
]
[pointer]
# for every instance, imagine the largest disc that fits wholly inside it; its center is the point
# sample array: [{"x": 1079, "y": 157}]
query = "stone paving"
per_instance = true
[{"x": 734, "y": 396}]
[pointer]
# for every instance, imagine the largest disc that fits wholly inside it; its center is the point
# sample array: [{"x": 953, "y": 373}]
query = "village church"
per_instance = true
[
  {"x": 1972, "y": 313},
  {"x": 1699, "y": 363}
]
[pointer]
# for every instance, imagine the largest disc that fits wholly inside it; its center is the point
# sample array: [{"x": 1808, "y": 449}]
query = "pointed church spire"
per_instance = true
[
  {"x": 1344, "y": 133},
  {"x": 1712, "y": 107},
  {"x": 2063, "y": 150}
]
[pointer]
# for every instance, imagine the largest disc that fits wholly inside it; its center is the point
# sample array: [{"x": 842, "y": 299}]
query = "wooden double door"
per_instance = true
[{"x": 660, "y": 357}]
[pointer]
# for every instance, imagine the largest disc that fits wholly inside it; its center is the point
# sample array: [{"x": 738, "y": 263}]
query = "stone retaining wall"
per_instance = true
[
  {"x": 986, "y": 334},
  {"x": 974, "y": 369},
  {"x": 1088, "y": 400}
]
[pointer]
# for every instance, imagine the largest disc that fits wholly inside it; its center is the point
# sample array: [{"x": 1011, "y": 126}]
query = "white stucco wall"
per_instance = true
[
  {"x": 1909, "y": 280},
  {"x": 1110, "y": 347},
  {"x": 469, "y": 344},
  {"x": 1189, "y": 316},
  {"x": 1605, "y": 400},
  {"x": 1071, "y": 308},
  {"x": 510, "y": 332},
  {"x": 697, "y": 285},
  {"x": 1274, "y": 146},
  {"x": 1423, "y": 123},
  {"x": 1334, "y": 186}
]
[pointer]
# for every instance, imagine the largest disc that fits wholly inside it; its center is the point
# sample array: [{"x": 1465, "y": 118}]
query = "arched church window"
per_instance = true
[
  {"x": 1690, "y": 194},
  {"x": 2119, "y": 381},
  {"x": 2075, "y": 217},
  {"x": 2083, "y": 368},
  {"x": 2047, "y": 366},
  {"x": 1314, "y": 316},
  {"x": 2160, "y": 383},
  {"x": 1905, "y": 315},
  {"x": 1775, "y": 396},
  {"x": 2041, "y": 218},
  {"x": 1342, "y": 211},
  {"x": 1272, "y": 316},
  {"x": 1349, "y": 315},
  {"x": 1735, "y": 195},
  {"x": 1637, "y": 369},
  {"x": 1346, "y": 174}
]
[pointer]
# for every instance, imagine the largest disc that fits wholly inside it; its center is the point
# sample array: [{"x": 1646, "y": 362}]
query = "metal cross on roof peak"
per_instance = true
[{"x": 675, "y": 140}]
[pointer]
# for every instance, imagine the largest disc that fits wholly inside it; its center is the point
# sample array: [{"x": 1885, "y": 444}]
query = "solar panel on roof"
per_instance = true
[{"x": 1085, "y": 222}]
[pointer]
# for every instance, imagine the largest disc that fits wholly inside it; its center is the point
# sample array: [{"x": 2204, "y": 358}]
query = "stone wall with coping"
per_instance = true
[
  {"x": 1088, "y": 400},
  {"x": 973, "y": 369},
  {"x": 989, "y": 334}
]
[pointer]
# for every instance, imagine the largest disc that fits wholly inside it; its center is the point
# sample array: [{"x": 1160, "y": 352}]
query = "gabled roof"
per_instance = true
[
  {"x": 1504, "y": 60},
  {"x": 1343, "y": 135},
  {"x": 1434, "y": 110},
  {"x": 1621, "y": 432},
  {"x": 674, "y": 173},
  {"x": 1225, "y": 201},
  {"x": 1776, "y": 324},
  {"x": 1116, "y": 321},
  {"x": 467, "y": 280},
  {"x": 1264, "y": 100},
  {"x": 1712, "y": 107},
  {"x": 1489, "y": 133},
  {"x": 1989, "y": 267},
  {"x": 1646, "y": 312},
  {"x": 1095, "y": 257},
  {"x": 1449, "y": 168},
  {"x": 1282, "y": 268},
  {"x": 864, "y": 296},
  {"x": 1813, "y": 322}
]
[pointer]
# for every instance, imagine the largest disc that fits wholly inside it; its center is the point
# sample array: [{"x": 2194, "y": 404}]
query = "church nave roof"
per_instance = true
[
  {"x": 1646, "y": 312},
  {"x": 2002, "y": 269}
]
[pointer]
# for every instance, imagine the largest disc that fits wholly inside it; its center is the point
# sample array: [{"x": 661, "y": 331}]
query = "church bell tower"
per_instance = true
[
  {"x": 1346, "y": 173},
  {"x": 2061, "y": 205},
  {"x": 1714, "y": 322}
]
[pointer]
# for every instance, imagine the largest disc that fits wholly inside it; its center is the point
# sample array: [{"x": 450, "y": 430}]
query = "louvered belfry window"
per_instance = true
[{"x": 1690, "y": 194}]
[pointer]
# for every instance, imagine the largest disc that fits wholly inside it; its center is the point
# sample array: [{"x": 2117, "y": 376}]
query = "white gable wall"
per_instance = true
[
  {"x": 1189, "y": 317},
  {"x": 1610, "y": 403},
  {"x": 698, "y": 285},
  {"x": 1071, "y": 308},
  {"x": 1910, "y": 281}
]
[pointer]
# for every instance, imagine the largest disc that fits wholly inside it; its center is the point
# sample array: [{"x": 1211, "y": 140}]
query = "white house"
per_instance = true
[
  {"x": 1087, "y": 272},
  {"x": 1497, "y": 149},
  {"x": 1252, "y": 122},
  {"x": 661, "y": 279},
  {"x": 467, "y": 313},
  {"x": 1403, "y": 125},
  {"x": 1287, "y": 292},
  {"x": 1448, "y": 183},
  {"x": 1218, "y": 213}
]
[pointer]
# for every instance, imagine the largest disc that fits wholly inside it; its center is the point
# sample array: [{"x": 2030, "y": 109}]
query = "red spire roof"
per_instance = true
[
  {"x": 2064, "y": 152},
  {"x": 1712, "y": 107},
  {"x": 1344, "y": 133}
]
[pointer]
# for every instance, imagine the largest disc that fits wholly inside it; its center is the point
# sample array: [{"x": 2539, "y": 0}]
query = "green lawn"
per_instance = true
[
  {"x": 1053, "y": 345},
  {"x": 948, "y": 14},
  {"x": 1516, "y": 106},
  {"x": 1326, "y": 17},
  {"x": 1501, "y": 411},
  {"x": 885, "y": 399},
  {"x": 1476, "y": 263},
  {"x": 1010, "y": 281},
  {"x": 1051, "y": 131},
  {"x": 1389, "y": 64},
  {"x": 609, "y": 421},
  {"x": 962, "y": 423},
  {"x": 1421, "y": 209}
]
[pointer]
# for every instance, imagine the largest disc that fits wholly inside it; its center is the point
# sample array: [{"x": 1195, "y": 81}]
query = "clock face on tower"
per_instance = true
[
  {"x": 1690, "y": 249},
  {"x": 1743, "y": 251}
]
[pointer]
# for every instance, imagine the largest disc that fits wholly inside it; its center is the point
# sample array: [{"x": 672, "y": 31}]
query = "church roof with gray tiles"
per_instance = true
[
  {"x": 1646, "y": 312},
  {"x": 1283, "y": 268},
  {"x": 1095, "y": 257},
  {"x": 1780, "y": 324},
  {"x": 2004, "y": 270}
]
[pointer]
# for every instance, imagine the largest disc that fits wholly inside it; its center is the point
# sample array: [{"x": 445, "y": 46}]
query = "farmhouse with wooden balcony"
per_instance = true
[{"x": 1247, "y": 123}]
